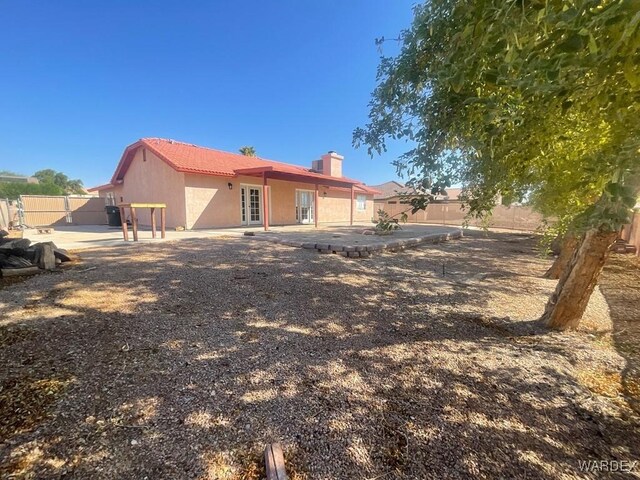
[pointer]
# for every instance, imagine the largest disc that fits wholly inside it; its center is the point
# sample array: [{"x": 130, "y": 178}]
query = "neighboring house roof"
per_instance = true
[
  {"x": 394, "y": 189},
  {"x": 453, "y": 193},
  {"x": 389, "y": 189},
  {"x": 189, "y": 158},
  {"x": 18, "y": 179}
]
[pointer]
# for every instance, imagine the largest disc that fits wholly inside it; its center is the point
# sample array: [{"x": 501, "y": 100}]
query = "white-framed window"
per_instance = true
[{"x": 361, "y": 202}]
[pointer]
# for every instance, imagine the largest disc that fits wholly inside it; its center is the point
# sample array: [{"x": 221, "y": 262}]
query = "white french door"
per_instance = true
[
  {"x": 305, "y": 206},
  {"x": 251, "y": 205}
]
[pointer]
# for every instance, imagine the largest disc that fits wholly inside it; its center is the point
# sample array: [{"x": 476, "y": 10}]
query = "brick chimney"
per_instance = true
[{"x": 329, "y": 164}]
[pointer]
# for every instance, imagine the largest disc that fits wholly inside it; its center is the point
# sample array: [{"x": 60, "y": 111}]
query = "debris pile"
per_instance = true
[{"x": 19, "y": 257}]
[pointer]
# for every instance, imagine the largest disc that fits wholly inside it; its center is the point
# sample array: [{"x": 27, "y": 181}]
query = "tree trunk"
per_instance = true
[
  {"x": 569, "y": 245},
  {"x": 569, "y": 301}
]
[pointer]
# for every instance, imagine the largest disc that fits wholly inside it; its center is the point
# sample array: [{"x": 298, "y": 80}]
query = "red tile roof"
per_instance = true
[{"x": 188, "y": 158}]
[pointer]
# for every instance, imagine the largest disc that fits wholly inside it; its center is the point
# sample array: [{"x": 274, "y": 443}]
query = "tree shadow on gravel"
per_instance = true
[
  {"x": 184, "y": 360},
  {"x": 620, "y": 285}
]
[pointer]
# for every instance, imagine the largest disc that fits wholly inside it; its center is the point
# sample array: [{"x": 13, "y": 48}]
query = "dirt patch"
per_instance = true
[
  {"x": 224, "y": 467},
  {"x": 25, "y": 402},
  {"x": 10, "y": 334},
  {"x": 5, "y": 282},
  {"x": 187, "y": 358}
]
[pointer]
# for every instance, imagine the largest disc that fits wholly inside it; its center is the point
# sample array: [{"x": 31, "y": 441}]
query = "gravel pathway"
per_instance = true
[{"x": 182, "y": 360}]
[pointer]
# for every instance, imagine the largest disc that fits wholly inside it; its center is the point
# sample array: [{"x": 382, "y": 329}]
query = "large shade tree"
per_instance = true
[
  {"x": 530, "y": 98},
  {"x": 67, "y": 185},
  {"x": 13, "y": 190}
]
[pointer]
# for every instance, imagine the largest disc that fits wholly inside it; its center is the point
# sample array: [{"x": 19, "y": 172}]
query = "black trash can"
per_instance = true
[{"x": 113, "y": 215}]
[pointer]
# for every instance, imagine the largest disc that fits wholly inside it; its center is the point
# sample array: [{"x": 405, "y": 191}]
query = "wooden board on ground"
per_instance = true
[
  {"x": 19, "y": 272},
  {"x": 274, "y": 462}
]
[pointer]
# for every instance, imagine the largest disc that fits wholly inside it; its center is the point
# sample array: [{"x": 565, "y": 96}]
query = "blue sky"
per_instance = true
[{"x": 81, "y": 80}]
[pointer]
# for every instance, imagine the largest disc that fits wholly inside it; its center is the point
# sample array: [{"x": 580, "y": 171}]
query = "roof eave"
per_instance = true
[
  {"x": 123, "y": 159},
  {"x": 100, "y": 187},
  {"x": 195, "y": 171},
  {"x": 253, "y": 170}
]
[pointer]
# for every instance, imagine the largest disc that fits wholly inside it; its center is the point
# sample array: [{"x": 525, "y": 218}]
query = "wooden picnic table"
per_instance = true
[{"x": 134, "y": 218}]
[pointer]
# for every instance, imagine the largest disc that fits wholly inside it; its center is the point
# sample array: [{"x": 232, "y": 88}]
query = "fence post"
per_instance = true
[
  {"x": 67, "y": 210},
  {"x": 20, "y": 210}
]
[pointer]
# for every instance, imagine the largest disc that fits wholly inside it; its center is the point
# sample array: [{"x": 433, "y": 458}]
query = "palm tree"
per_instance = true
[{"x": 248, "y": 151}]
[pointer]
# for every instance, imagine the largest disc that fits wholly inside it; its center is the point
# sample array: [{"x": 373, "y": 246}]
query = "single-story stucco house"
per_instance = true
[{"x": 207, "y": 188}]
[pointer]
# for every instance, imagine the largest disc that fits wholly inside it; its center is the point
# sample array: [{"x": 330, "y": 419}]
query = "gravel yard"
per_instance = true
[{"x": 184, "y": 359}]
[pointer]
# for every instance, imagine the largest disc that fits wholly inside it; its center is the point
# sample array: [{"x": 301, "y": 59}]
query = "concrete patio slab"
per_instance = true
[
  {"x": 328, "y": 238},
  {"x": 79, "y": 237}
]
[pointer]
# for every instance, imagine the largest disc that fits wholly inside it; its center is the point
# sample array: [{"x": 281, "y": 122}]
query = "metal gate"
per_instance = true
[{"x": 46, "y": 210}]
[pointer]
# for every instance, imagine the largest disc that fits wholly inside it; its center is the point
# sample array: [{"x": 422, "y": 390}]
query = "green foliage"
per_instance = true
[
  {"x": 51, "y": 183},
  {"x": 387, "y": 223},
  {"x": 10, "y": 173},
  {"x": 529, "y": 98},
  {"x": 52, "y": 177},
  {"x": 551, "y": 231},
  {"x": 247, "y": 151},
  {"x": 12, "y": 190}
]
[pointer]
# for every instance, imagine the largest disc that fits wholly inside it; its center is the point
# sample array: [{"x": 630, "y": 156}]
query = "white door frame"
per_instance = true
[
  {"x": 247, "y": 207},
  {"x": 260, "y": 188},
  {"x": 311, "y": 207}
]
